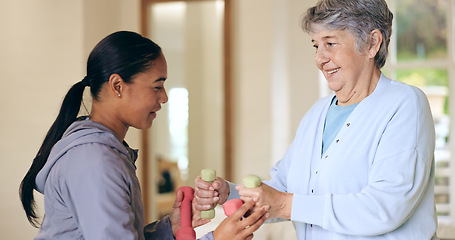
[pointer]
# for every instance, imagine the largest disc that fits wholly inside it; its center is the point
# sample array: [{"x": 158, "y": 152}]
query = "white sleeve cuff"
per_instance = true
[{"x": 307, "y": 209}]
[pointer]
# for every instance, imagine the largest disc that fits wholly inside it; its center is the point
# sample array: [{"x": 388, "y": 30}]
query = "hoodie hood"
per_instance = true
[{"x": 79, "y": 133}]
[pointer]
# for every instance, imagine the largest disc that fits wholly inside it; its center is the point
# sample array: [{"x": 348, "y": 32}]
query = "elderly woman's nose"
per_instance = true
[{"x": 321, "y": 57}]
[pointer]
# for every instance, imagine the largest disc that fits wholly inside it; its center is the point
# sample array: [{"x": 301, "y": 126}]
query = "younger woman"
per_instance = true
[{"x": 85, "y": 169}]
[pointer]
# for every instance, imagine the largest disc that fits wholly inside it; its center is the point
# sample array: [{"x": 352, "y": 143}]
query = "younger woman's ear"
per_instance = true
[
  {"x": 375, "y": 43},
  {"x": 115, "y": 84}
]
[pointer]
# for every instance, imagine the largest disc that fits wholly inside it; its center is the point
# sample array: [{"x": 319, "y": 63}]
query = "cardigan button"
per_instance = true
[
  {"x": 337, "y": 140},
  {"x": 348, "y": 124}
]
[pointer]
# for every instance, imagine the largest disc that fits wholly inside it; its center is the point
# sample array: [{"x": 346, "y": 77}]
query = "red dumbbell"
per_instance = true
[
  {"x": 231, "y": 206},
  {"x": 186, "y": 231}
]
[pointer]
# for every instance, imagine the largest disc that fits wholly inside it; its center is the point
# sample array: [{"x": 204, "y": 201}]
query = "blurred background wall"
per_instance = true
[{"x": 43, "y": 50}]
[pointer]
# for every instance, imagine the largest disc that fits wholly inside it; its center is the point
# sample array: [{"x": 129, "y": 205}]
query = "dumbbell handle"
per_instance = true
[
  {"x": 186, "y": 231},
  {"x": 208, "y": 175}
]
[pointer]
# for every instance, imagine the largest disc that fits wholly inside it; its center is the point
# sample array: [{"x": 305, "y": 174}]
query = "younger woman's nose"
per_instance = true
[{"x": 163, "y": 97}]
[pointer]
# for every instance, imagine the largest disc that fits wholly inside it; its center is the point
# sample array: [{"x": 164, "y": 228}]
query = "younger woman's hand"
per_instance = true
[
  {"x": 235, "y": 227},
  {"x": 174, "y": 216}
]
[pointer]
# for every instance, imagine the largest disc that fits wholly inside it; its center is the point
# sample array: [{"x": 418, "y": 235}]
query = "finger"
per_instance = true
[
  {"x": 201, "y": 204},
  {"x": 197, "y": 221},
  {"x": 203, "y": 193},
  {"x": 256, "y": 225},
  {"x": 203, "y": 184},
  {"x": 178, "y": 199},
  {"x": 243, "y": 191},
  {"x": 242, "y": 210},
  {"x": 252, "y": 210},
  {"x": 249, "y": 237},
  {"x": 205, "y": 200},
  {"x": 247, "y": 193},
  {"x": 246, "y": 199},
  {"x": 256, "y": 216},
  {"x": 202, "y": 207},
  {"x": 254, "y": 193},
  {"x": 195, "y": 208}
]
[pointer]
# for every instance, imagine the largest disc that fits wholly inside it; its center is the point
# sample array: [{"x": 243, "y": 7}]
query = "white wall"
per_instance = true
[
  {"x": 275, "y": 81},
  {"x": 40, "y": 57},
  {"x": 205, "y": 129}
]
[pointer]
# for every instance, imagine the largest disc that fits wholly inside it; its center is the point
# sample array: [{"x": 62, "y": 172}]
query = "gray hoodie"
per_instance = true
[{"x": 91, "y": 190}]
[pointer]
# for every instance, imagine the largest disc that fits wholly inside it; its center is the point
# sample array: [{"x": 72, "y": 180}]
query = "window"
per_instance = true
[
  {"x": 178, "y": 127},
  {"x": 421, "y": 54}
]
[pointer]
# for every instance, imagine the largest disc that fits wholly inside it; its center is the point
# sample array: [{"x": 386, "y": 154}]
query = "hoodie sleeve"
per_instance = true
[
  {"x": 100, "y": 192},
  {"x": 159, "y": 230},
  {"x": 162, "y": 230}
]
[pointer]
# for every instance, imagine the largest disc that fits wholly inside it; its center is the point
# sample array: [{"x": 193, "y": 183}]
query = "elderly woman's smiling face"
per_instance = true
[{"x": 342, "y": 65}]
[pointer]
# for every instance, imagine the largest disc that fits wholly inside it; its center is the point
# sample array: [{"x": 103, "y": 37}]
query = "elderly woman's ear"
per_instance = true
[{"x": 375, "y": 43}]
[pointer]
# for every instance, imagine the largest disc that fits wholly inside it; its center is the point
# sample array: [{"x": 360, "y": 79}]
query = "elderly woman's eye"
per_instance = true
[{"x": 331, "y": 44}]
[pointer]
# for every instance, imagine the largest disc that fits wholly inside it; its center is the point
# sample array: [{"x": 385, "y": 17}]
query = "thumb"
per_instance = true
[
  {"x": 178, "y": 199},
  {"x": 217, "y": 183}
]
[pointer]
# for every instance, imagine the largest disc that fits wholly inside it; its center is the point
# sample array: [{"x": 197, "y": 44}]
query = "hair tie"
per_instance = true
[{"x": 86, "y": 82}]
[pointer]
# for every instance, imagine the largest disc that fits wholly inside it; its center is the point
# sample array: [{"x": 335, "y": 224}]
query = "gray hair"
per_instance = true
[{"x": 359, "y": 17}]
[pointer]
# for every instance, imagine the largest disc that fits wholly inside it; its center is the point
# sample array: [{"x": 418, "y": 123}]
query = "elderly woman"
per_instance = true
[{"x": 361, "y": 164}]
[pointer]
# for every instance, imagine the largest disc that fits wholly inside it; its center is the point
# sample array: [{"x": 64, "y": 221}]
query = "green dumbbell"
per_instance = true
[
  {"x": 252, "y": 181},
  {"x": 208, "y": 175}
]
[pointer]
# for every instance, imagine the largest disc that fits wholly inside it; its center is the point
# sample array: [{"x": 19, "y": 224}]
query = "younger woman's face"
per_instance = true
[{"x": 144, "y": 95}]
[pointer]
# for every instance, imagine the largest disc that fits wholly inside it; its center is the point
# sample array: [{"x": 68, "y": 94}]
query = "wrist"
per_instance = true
[
  {"x": 285, "y": 207},
  {"x": 174, "y": 227}
]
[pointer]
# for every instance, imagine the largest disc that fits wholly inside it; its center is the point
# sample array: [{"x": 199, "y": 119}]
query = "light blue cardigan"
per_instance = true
[{"x": 375, "y": 180}]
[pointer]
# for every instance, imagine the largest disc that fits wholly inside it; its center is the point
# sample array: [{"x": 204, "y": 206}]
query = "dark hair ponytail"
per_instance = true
[
  {"x": 67, "y": 115},
  {"x": 124, "y": 53}
]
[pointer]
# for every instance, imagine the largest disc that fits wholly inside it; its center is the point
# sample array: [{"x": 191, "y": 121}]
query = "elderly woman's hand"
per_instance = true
[
  {"x": 206, "y": 194},
  {"x": 280, "y": 202}
]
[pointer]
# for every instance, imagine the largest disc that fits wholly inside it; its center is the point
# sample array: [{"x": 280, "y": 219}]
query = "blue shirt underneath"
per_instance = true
[{"x": 336, "y": 116}]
